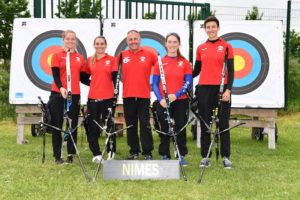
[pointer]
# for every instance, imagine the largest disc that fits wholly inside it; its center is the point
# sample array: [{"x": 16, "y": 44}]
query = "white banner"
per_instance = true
[
  {"x": 258, "y": 59},
  {"x": 34, "y": 42},
  {"x": 153, "y": 33}
]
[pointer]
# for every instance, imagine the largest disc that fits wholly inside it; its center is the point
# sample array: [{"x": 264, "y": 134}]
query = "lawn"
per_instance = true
[{"x": 258, "y": 173}]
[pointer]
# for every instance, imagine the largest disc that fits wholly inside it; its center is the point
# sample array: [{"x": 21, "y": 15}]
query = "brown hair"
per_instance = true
[
  {"x": 179, "y": 55},
  {"x": 211, "y": 19},
  {"x": 94, "y": 57}
]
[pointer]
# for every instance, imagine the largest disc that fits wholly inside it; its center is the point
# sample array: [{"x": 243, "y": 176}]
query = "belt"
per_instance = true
[{"x": 96, "y": 100}]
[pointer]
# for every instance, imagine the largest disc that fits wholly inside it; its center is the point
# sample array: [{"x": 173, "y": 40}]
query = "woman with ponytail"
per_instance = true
[
  {"x": 178, "y": 75},
  {"x": 100, "y": 98}
]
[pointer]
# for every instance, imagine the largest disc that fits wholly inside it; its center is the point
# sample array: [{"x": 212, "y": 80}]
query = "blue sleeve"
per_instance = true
[
  {"x": 155, "y": 87},
  {"x": 188, "y": 80}
]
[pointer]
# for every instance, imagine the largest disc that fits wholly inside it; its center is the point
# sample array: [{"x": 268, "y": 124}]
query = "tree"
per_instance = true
[
  {"x": 294, "y": 43},
  {"x": 254, "y": 14},
  {"x": 73, "y": 9},
  {"x": 151, "y": 15},
  {"x": 10, "y": 9},
  {"x": 192, "y": 17}
]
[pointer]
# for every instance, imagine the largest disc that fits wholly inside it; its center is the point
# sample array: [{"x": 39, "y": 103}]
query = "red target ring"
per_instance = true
[
  {"x": 243, "y": 63},
  {"x": 46, "y": 56}
]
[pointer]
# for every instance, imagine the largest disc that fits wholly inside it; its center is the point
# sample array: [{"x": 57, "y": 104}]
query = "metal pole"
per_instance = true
[
  {"x": 287, "y": 54},
  {"x": 37, "y": 9}
]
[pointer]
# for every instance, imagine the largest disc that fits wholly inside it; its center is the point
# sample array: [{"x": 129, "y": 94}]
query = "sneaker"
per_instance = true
[
  {"x": 205, "y": 162},
  {"x": 59, "y": 161},
  {"x": 97, "y": 159},
  {"x": 148, "y": 157},
  {"x": 132, "y": 156},
  {"x": 165, "y": 157},
  {"x": 227, "y": 163},
  {"x": 183, "y": 162},
  {"x": 69, "y": 160},
  {"x": 110, "y": 155}
]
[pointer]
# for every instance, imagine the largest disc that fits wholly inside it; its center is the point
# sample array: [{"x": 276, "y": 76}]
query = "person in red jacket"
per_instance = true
[
  {"x": 100, "y": 98},
  {"x": 59, "y": 93},
  {"x": 178, "y": 75},
  {"x": 209, "y": 63},
  {"x": 136, "y": 70}
]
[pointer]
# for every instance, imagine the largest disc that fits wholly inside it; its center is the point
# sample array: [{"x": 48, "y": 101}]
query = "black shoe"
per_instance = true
[
  {"x": 69, "y": 160},
  {"x": 148, "y": 157},
  {"x": 132, "y": 156},
  {"x": 59, "y": 161}
]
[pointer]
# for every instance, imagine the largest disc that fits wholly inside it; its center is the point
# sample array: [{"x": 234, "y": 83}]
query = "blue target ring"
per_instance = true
[
  {"x": 256, "y": 65},
  {"x": 256, "y": 61},
  {"x": 34, "y": 57}
]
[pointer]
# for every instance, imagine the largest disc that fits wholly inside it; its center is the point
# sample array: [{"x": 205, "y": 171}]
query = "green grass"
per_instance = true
[{"x": 259, "y": 173}]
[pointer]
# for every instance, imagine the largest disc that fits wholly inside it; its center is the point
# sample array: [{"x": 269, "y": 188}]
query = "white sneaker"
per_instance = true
[
  {"x": 97, "y": 159},
  {"x": 111, "y": 155}
]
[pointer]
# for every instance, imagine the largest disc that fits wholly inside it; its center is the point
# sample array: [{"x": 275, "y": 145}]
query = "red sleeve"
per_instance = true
[
  {"x": 82, "y": 68},
  {"x": 154, "y": 59},
  {"x": 198, "y": 54},
  {"x": 187, "y": 67},
  {"x": 156, "y": 69},
  {"x": 113, "y": 60},
  {"x": 230, "y": 52},
  {"x": 55, "y": 60},
  {"x": 115, "y": 65},
  {"x": 87, "y": 66}
]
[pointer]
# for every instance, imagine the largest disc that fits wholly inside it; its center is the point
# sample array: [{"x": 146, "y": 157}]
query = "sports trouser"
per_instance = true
[
  {"x": 178, "y": 111},
  {"x": 57, "y": 109},
  {"x": 207, "y": 96},
  {"x": 98, "y": 111},
  {"x": 137, "y": 110}
]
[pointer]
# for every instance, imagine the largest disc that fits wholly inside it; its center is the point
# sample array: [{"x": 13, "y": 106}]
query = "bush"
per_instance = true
[{"x": 6, "y": 110}]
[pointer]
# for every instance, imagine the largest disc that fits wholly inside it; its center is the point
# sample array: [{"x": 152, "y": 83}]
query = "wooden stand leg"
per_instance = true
[
  {"x": 20, "y": 130},
  {"x": 271, "y": 134}
]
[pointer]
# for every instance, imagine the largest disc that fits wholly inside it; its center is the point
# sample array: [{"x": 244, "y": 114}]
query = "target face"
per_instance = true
[
  {"x": 37, "y": 59},
  {"x": 151, "y": 41},
  {"x": 251, "y": 62}
]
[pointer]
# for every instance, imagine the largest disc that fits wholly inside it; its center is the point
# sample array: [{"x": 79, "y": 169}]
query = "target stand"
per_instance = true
[
  {"x": 35, "y": 118},
  {"x": 258, "y": 119}
]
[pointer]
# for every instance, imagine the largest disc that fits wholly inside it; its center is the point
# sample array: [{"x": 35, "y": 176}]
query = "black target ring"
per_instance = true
[
  {"x": 237, "y": 39},
  {"x": 29, "y": 62}
]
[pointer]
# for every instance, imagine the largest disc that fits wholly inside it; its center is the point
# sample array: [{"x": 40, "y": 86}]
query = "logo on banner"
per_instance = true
[
  {"x": 38, "y": 55},
  {"x": 251, "y": 62}
]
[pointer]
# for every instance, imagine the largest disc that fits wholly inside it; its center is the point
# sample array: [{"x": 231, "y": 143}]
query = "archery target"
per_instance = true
[
  {"x": 251, "y": 62},
  {"x": 258, "y": 61},
  {"x": 34, "y": 42},
  {"x": 37, "y": 59},
  {"x": 153, "y": 33}
]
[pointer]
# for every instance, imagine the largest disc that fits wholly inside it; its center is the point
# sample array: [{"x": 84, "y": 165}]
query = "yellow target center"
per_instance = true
[
  {"x": 49, "y": 59},
  {"x": 239, "y": 63}
]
